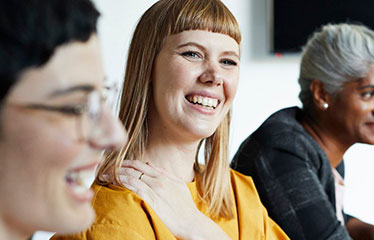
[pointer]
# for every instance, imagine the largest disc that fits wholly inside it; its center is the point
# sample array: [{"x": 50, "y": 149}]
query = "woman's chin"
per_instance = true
[
  {"x": 78, "y": 221},
  {"x": 369, "y": 141},
  {"x": 199, "y": 135}
]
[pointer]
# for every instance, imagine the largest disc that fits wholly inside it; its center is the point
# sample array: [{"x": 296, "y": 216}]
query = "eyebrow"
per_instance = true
[
  {"x": 79, "y": 88},
  {"x": 366, "y": 86},
  {"x": 232, "y": 53}
]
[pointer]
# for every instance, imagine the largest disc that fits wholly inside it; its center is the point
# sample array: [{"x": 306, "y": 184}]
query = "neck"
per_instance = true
[
  {"x": 173, "y": 153},
  {"x": 332, "y": 142},
  {"x": 176, "y": 160}
]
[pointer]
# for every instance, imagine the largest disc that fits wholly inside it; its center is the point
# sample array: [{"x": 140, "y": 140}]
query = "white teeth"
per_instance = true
[
  {"x": 200, "y": 100},
  {"x": 87, "y": 177},
  {"x": 80, "y": 181},
  {"x": 79, "y": 189},
  {"x": 204, "y": 101}
]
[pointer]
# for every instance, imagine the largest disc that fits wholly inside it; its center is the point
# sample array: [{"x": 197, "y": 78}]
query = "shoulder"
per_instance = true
[
  {"x": 282, "y": 129},
  {"x": 121, "y": 210},
  {"x": 115, "y": 204},
  {"x": 253, "y": 218},
  {"x": 120, "y": 214},
  {"x": 239, "y": 178},
  {"x": 107, "y": 232},
  {"x": 280, "y": 136},
  {"x": 244, "y": 188}
]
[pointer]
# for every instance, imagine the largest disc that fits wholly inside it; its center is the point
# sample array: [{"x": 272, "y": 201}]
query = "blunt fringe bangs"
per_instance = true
[
  {"x": 208, "y": 15},
  {"x": 162, "y": 19}
]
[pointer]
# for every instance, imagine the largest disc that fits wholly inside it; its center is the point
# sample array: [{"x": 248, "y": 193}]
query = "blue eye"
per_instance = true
[
  {"x": 229, "y": 62},
  {"x": 191, "y": 54}
]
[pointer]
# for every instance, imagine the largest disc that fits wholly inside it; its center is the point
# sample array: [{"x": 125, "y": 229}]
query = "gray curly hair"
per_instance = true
[{"x": 337, "y": 54}]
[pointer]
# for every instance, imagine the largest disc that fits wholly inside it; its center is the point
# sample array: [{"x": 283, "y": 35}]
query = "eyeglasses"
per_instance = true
[{"x": 88, "y": 115}]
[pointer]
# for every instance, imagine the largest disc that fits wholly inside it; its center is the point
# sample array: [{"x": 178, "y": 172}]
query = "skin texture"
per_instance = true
[
  {"x": 190, "y": 63},
  {"x": 40, "y": 147},
  {"x": 356, "y": 100},
  {"x": 348, "y": 119},
  {"x": 360, "y": 230}
]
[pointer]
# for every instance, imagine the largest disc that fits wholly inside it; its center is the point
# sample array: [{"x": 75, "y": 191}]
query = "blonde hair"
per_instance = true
[{"x": 164, "y": 18}]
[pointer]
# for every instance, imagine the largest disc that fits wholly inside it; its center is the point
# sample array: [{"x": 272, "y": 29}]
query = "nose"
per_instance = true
[
  {"x": 112, "y": 135},
  {"x": 211, "y": 75}
]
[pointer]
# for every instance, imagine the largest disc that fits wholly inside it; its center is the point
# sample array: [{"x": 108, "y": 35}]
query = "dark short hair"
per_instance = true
[{"x": 31, "y": 30}]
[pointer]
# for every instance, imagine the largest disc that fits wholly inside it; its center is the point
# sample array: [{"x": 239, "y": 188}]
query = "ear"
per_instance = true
[{"x": 321, "y": 97}]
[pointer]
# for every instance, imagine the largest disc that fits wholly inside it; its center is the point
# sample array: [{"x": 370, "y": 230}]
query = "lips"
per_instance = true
[
  {"x": 370, "y": 124},
  {"x": 78, "y": 182},
  {"x": 207, "y": 102}
]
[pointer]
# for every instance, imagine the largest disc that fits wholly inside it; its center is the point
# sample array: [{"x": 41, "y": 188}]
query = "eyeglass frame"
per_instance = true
[{"x": 77, "y": 110}]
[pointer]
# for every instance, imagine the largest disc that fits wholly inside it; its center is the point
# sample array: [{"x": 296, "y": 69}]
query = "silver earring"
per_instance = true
[{"x": 325, "y": 105}]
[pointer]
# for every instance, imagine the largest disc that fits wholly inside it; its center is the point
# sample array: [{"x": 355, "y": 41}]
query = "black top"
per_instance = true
[{"x": 293, "y": 177}]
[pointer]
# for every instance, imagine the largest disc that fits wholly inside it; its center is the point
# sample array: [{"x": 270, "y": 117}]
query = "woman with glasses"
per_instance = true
[
  {"x": 296, "y": 156},
  {"x": 54, "y": 124},
  {"x": 181, "y": 77}
]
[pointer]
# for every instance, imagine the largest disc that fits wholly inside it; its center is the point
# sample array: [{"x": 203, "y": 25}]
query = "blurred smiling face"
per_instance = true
[
  {"x": 48, "y": 140},
  {"x": 195, "y": 77}
]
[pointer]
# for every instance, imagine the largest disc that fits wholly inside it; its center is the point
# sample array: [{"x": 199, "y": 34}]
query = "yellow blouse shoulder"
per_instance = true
[
  {"x": 252, "y": 215},
  {"x": 243, "y": 184},
  {"x": 120, "y": 214}
]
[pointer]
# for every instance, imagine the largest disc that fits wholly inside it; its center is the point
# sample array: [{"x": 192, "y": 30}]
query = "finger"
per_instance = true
[
  {"x": 128, "y": 171},
  {"x": 141, "y": 167},
  {"x": 160, "y": 169},
  {"x": 106, "y": 177},
  {"x": 154, "y": 181},
  {"x": 135, "y": 185}
]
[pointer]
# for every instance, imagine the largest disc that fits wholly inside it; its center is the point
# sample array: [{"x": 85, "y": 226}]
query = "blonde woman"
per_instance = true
[{"x": 181, "y": 78}]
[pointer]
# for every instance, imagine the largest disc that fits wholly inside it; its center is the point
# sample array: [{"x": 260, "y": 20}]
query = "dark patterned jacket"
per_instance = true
[{"x": 293, "y": 177}]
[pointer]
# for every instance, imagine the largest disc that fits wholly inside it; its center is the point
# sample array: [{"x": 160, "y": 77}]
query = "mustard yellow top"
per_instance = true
[{"x": 123, "y": 215}]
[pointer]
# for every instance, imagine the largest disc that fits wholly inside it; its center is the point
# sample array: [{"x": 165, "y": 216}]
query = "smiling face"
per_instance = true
[
  {"x": 194, "y": 79},
  {"x": 43, "y": 154},
  {"x": 352, "y": 111}
]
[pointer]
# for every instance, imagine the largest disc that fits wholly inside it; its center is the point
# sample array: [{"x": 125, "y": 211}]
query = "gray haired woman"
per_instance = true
[{"x": 296, "y": 156}]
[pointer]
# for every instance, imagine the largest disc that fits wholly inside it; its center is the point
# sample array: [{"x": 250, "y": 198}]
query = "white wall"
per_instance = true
[{"x": 267, "y": 83}]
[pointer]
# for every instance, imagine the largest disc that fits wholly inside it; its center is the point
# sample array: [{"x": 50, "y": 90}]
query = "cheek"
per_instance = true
[
  {"x": 182, "y": 75},
  {"x": 173, "y": 81},
  {"x": 59, "y": 152},
  {"x": 36, "y": 155},
  {"x": 231, "y": 86},
  {"x": 359, "y": 111},
  {"x": 351, "y": 112},
  {"x": 45, "y": 144}
]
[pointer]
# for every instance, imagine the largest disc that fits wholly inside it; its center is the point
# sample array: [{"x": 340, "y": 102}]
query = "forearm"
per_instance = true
[{"x": 360, "y": 230}]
